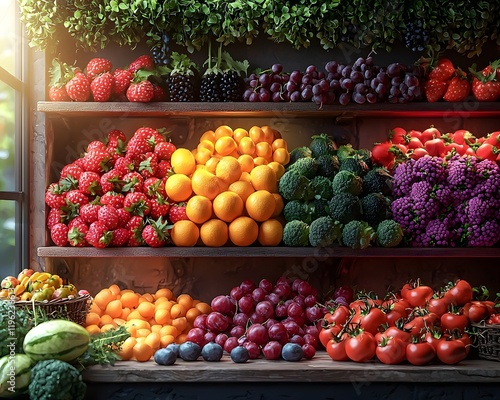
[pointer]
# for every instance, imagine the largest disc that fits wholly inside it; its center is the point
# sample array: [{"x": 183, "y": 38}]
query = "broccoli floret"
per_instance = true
[
  {"x": 389, "y": 233},
  {"x": 357, "y": 234},
  {"x": 293, "y": 186},
  {"x": 321, "y": 186},
  {"x": 376, "y": 208},
  {"x": 366, "y": 156},
  {"x": 347, "y": 182},
  {"x": 354, "y": 164},
  {"x": 345, "y": 207},
  {"x": 299, "y": 152},
  {"x": 319, "y": 208},
  {"x": 296, "y": 234},
  {"x": 296, "y": 210},
  {"x": 56, "y": 380},
  {"x": 378, "y": 180},
  {"x": 322, "y": 145},
  {"x": 327, "y": 166},
  {"x": 344, "y": 151},
  {"x": 324, "y": 231},
  {"x": 306, "y": 166}
]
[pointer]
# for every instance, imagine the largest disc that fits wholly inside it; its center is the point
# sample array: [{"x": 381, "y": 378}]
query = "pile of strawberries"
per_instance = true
[
  {"x": 445, "y": 81},
  {"x": 100, "y": 82},
  {"x": 114, "y": 195}
]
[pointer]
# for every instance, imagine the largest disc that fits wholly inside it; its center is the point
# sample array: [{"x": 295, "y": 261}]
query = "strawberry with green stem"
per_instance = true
[
  {"x": 140, "y": 90},
  {"x": 60, "y": 74},
  {"x": 155, "y": 233},
  {"x": 458, "y": 88},
  {"x": 486, "y": 83}
]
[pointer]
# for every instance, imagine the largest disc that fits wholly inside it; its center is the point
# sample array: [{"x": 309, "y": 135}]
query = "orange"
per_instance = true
[
  {"x": 270, "y": 134},
  {"x": 93, "y": 329},
  {"x": 192, "y": 313},
  {"x": 223, "y": 130},
  {"x": 183, "y": 161},
  {"x": 127, "y": 348},
  {"x": 225, "y": 145},
  {"x": 142, "y": 332},
  {"x": 185, "y": 233},
  {"x": 107, "y": 327},
  {"x": 245, "y": 177},
  {"x": 106, "y": 319},
  {"x": 166, "y": 340},
  {"x": 168, "y": 330},
  {"x": 228, "y": 206},
  {"x": 264, "y": 149},
  {"x": 142, "y": 352},
  {"x": 162, "y": 316},
  {"x": 199, "y": 209},
  {"x": 146, "y": 309},
  {"x": 95, "y": 308},
  {"x": 185, "y": 300},
  {"x": 207, "y": 145},
  {"x": 264, "y": 178},
  {"x": 114, "y": 308},
  {"x": 182, "y": 338},
  {"x": 243, "y": 231},
  {"x": 246, "y": 146},
  {"x": 278, "y": 169},
  {"x": 178, "y": 187},
  {"x": 129, "y": 299},
  {"x": 180, "y": 323},
  {"x": 133, "y": 315},
  {"x": 164, "y": 292},
  {"x": 153, "y": 340},
  {"x": 205, "y": 183},
  {"x": 228, "y": 169},
  {"x": 211, "y": 164},
  {"x": 125, "y": 313},
  {"x": 138, "y": 324},
  {"x": 208, "y": 135},
  {"x": 279, "y": 144},
  {"x": 242, "y": 189},
  {"x": 202, "y": 156},
  {"x": 115, "y": 289},
  {"x": 204, "y": 307},
  {"x": 281, "y": 156},
  {"x": 270, "y": 233},
  {"x": 260, "y": 161},
  {"x": 92, "y": 318},
  {"x": 156, "y": 328},
  {"x": 256, "y": 134},
  {"x": 102, "y": 298},
  {"x": 246, "y": 162},
  {"x": 119, "y": 321},
  {"x": 239, "y": 133},
  {"x": 260, "y": 205},
  {"x": 214, "y": 233},
  {"x": 146, "y": 297},
  {"x": 280, "y": 204}
]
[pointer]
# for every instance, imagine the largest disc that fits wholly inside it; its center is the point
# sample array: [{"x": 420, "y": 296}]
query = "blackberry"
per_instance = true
[
  {"x": 232, "y": 86},
  {"x": 161, "y": 50},
  {"x": 416, "y": 36},
  {"x": 210, "y": 87},
  {"x": 182, "y": 87}
]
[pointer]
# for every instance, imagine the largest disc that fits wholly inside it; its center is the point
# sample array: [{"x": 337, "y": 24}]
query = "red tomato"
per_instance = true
[
  {"x": 328, "y": 333},
  {"x": 415, "y": 143},
  {"x": 361, "y": 346},
  {"x": 438, "y": 305},
  {"x": 451, "y": 351},
  {"x": 394, "y": 332},
  {"x": 370, "y": 319},
  {"x": 433, "y": 336},
  {"x": 417, "y": 296},
  {"x": 415, "y": 134},
  {"x": 382, "y": 156},
  {"x": 463, "y": 136},
  {"x": 493, "y": 138},
  {"x": 476, "y": 311},
  {"x": 454, "y": 148},
  {"x": 420, "y": 353},
  {"x": 340, "y": 315},
  {"x": 398, "y": 135},
  {"x": 435, "y": 147},
  {"x": 487, "y": 152},
  {"x": 391, "y": 350},
  {"x": 430, "y": 133},
  {"x": 418, "y": 153},
  {"x": 465, "y": 338},
  {"x": 336, "y": 350},
  {"x": 460, "y": 292},
  {"x": 420, "y": 323},
  {"x": 396, "y": 311}
]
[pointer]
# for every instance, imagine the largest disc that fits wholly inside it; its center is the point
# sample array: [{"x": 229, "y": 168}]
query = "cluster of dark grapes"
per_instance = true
[
  {"x": 416, "y": 36},
  {"x": 360, "y": 82},
  {"x": 161, "y": 50},
  {"x": 182, "y": 87},
  {"x": 221, "y": 87},
  {"x": 263, "y": 319}
]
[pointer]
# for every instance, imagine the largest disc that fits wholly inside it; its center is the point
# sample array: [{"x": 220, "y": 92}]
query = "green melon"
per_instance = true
[{"x": 15, "y": 374}]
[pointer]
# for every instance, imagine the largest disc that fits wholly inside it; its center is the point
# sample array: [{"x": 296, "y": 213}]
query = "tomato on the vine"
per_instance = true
[
  {"x": 454, "y": 321},
  {"x": 420, "y": 353},
  {"x": 451, "y": 351},
  {"x": 438, "y": 305},
  {"x": 394, "y": 332},
  {"x": 391, "y": 350},
  {"x": 420, "y": 321},
  {"x": 476, "y": 311},
  {"x": 360, "y": 346},
  {"x": 395, "y": 311},
  {"x": 328, "y": 333},
  {"x": 433, "y": 336},
  {"x": 370, "y": 319},
  {"x": 460, "y": 292},
  {"x": 417, "y": 295},
  {"x": 335, "y": 348},
  {"x": 339, "y": 316}
]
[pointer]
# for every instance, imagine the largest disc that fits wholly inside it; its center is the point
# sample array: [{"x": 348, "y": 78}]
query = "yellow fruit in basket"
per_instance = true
[
  {"x": 26, "y": 296},
  {"x": 205, "y": 183},
  {"x": 214, "y": 233},
  {"x": 185, "y": 233},
  {"x": 278, "y": 169},
  {"x": 264, "y": 178},
  {"x": 243, "y": 231},
  {"x": 228, "y": 169},
  {"x": 183, "y": 161},
  {"x": 246, "y": 146},
  {"x": 208, "y": 135},
  {"x": 260, "y": 205},
  {"x": 279, "y": 144},
  {"x": 223, "y": 130},
  {"x": 199, "y": 209},
  {"x": 270, "y": 232},
  {"x": 225, "y": 145},
  {"x": 246, "y": 162},
  {"x": 281, "y": 156},
  {"x": 228, "y": 206},
  {"x": 264, "y": 150},
  {"x": 242, "y": 188},
  {"x": 178, "y": 187},
  {"x": 239, "y": 133}
]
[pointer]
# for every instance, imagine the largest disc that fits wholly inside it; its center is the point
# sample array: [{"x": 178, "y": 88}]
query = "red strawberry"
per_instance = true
[
  {"x": 144, "y": 62},
  {"x": 112, "y": 181},
  {"x": 115, "y": 137},
  {"x": 76, "y": 197},
  {"x": 96, "y": 161},
  {"x": 156, "y": 233},
  {"x": 135, "y": 226},
  {"x": 108, "y": 215},
  {"x": 102, "y": 87},
  {"x": 89, "y": 212},
  {"x": 138, "y": 146},
  {"x": 434, "y": 90},
  {"x": 177, "y": 212},
  {"x": 148, "y": 165},
  {"x": 58, "y": 94},
  {"x": 59, "y": 234},
  {"x": 90, "y": 183},
  {"x": 113, "y": 199},
  {"x": 141, "y": 92},
  {"x": 98, "y": 235},
  {"x": 145, "y": 132},
  {"x": 56, "y": 215},
  {"x": 96, "y": 145},
  {"x": 124, "y": 165},
  {"x": 443, "y": 70},
  {"x": 458, "y": 88},
  {"x": 73, "y": 170},
  {"x": 55, "y": 196},
  {"x": 97, "y": 66},
  {"x": 121, "y": 236},
  {"x": 159, "y": 207},
  {"x": 164, "y": 168},
  {"x": 159, "y": 93},
  {"x": 77, "y": 230},
  {"x": 60, "y": 74},
  {"x": 486, "y": 84},
  {"x": 78, "y": 87},
  {"x": 164, "y": 150},
  {"x": 153, "y": 186},
  {"x": 123, "y": 217},
  {"x": 133, "y": 182},
  {"x": 137, "y": 203},
  {"x": 122, "y": 78}
]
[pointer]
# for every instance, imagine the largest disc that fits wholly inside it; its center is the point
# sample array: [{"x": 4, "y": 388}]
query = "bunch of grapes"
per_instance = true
[
  {"x": 263, "y": 318},
  {"x": 266, "y": 86}
]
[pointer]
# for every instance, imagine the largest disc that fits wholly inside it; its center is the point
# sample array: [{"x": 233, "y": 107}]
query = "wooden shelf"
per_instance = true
[
  {"x": 311, "y": 252},
  {"x": 246, "y": 109},
  {"x": 320, "y": 369}
]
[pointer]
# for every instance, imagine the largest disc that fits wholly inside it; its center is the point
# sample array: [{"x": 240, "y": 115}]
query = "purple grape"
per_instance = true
[
  {"x": 368, "y": 74},
  {"x": 277, "y": 68},
  {"x": 276, "y": 97},
  {"x": 331, "y": 66},
  {"x": 335, "y": 85},
  {"x": 253, "y": 83},
  {"x": 359, "y": 98},
  {"x": 395, "y": 91},
  {"x": 265, "y": 80},
  {"x": 371, "y": 98},
  {"x": 311, "y": 69},
  {"x": 411, "y": 80},
  {"x": 247, "y": 94},
  {"x": 285, "y": 96},
  {"x": 347, "y": 84},
  {"x": 296, "y": 77},
  {"x": 321, "y": 75},
  {"x": 330, "y": 98},
  {"x": 307, "y": 79},
  {"x": 396, "y": 81},
  {"x": 360, "y": 88},
  {"x": 254, "y": 97},
  {"x": 346, "y": 71},
  {"x": 306, "y": 94},
  {"x": 320, "y": 98},
  {"x": 316, "y": 89},
  {"x": 285, "y": 78},
  {"x": 369, "y": 60},
  {"x": 291, "y": 86},
  {"x": 380, "y": 89},
  {"x": 264, "y": 95},
  {"x": 295, "y": 96},
  {"x": 324, "y": 84},
  {"x": 275, "y": 87},
  {"x": 356, "y": 76},
  {"x": 392, "y": 99},
  {"x": 345, "y": 98}
]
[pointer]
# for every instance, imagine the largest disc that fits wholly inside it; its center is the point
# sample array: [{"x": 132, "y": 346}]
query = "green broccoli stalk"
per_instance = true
[
  {"x": 296, "y": 234},
  {"x": 324, "y": 231},
  {"x": 357, "y": 234},
  {"x": 347, "y": 182},
  {"x": 389, "y": 233},
  {"x": 293, "y": 186},
  {"x": 296, "y": 210},
  {"x": 345, "y": 207},
  {"x": 56, "y": 380},
  {"x": 321, "y": 186},
  {"x": 306, "y": 166},
  {"x": 376, "y": 208}
]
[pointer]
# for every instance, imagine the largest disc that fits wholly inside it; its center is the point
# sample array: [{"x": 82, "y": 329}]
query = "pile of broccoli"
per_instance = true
[{"x": 336, "y": 195}]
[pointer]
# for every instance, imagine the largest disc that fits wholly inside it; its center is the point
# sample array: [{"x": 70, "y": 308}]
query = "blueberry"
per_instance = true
[
  {"x": 189, "y": 351},
  {"x": 174, "y": 347},
  {"x": 212, "y": 352},
  {"x": 239, "y": 354},
  {"x": 165, "y": 356},
  {"x": 292, "y": 352}
]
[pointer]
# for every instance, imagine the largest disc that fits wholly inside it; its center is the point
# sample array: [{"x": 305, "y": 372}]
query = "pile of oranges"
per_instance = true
[
  {"x": 153, "y": 320},
  {"x": 229, "y": 183}
]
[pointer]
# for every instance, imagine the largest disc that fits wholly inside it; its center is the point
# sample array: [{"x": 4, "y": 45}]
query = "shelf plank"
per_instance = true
[
  {"x": 254, "y": 251},
  {"x": 320, "y": 369},
  {"x": 246, "y": 109}
]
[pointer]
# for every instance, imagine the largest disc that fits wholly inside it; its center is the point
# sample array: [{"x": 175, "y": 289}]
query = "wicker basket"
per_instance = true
[
  {"x": 74, "y": 309},
  {"x": 488, "y": 341}
]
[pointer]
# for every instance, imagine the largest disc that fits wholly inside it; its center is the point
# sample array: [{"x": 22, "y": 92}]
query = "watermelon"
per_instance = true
[
  {"x": 15, "y": 374},
  {"x": 56, "y": 339}
]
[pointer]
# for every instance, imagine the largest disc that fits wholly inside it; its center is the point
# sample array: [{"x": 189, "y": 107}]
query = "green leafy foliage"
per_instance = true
[{"x": 103, "y": 348}]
